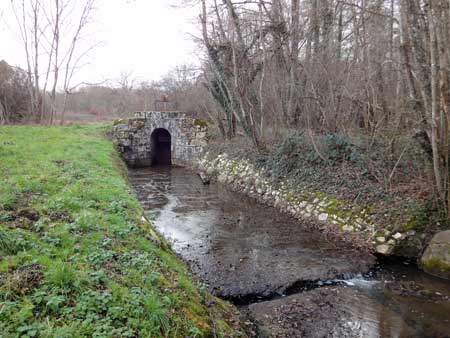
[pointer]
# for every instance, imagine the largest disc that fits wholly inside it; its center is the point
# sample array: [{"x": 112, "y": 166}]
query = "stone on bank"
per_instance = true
[
  {"x": 351, "y": 220},
  {"x": 436, "y": 258}
]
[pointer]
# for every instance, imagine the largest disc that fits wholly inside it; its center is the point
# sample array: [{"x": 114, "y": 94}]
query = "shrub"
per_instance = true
[
  {"x": 338, "y": 148},
  {"x": 285, "y": 156}
]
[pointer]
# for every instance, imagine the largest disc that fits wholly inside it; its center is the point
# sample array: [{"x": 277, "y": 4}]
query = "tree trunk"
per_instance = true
[
  {"x": 435, "y": 119},
  {"x": 293, "y": 67}
]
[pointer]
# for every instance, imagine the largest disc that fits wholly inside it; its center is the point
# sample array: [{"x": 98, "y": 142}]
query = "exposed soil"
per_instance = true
[
  {"x": 22, "y": 279},
  {"x": 58, "y": 216},
  {"x": 22, "y": 218},
  {"x": 30, "y": 214}
]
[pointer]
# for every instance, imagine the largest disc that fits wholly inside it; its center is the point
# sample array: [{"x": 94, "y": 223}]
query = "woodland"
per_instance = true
[{"x": 373, "y": 74}]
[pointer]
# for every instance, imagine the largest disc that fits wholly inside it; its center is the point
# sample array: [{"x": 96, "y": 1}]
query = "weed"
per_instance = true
[
  {"x": 156, "y": 314},
  {"x": 7, "y": 246},
  {"x": 62, "y": 275},
  {"x": 9, "y": 196}
]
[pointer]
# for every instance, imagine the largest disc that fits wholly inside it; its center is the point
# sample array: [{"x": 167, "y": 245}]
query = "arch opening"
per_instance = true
[{"x": 161, "y": 147}]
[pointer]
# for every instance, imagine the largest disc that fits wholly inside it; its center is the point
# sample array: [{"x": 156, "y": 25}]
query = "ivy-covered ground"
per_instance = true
[{"x": 76, "y": 257}]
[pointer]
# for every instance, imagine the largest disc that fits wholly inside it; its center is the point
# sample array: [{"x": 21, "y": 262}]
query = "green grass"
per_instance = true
[{"x": 76, "y": 259}]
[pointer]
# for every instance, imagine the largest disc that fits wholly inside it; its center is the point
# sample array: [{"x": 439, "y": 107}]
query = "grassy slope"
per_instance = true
[{"x": 75, "y": 258}]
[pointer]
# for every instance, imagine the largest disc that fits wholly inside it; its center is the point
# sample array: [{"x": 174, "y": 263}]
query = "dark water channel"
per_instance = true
[{"x": 298, "y": 281}]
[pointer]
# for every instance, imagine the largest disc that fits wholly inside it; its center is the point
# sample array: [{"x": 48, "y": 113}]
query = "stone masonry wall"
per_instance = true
[
  {"x": 133, "y": 137},
  {"x": 242, "y": 176}
]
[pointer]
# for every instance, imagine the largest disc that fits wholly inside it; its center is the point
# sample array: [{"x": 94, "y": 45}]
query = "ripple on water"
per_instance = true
[
  {"x": 238, "y": 247},
  {"x": 241, "y": 248}
]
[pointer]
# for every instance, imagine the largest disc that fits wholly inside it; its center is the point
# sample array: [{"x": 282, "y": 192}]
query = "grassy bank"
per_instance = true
[{"x": 76, "y": 258}]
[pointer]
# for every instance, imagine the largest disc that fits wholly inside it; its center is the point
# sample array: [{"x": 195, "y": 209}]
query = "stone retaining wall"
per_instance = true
[{"x": 242, "y": 176}]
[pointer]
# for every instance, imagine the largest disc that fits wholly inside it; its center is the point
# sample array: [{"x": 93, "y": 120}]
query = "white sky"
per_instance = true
[{"x": 144, "y": 37}]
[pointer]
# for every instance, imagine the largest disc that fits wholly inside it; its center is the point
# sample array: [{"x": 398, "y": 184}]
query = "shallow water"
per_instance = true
[
  {"x": 420, "y": 303},
  {"x": 239, "y": 247},
  {"x": 244, "y": 249}
]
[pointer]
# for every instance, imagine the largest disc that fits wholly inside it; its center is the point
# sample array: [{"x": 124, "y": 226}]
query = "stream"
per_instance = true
[{"x": 283, "y": 275}]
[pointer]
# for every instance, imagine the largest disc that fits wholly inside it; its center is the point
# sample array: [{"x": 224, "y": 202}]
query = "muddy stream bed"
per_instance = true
[{"x": 288, "y": 279}]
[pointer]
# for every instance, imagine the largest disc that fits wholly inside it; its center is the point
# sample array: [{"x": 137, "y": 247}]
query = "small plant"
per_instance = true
[
  {"x": 9, "y": 196},
  {"x": 186, "y": 285},
  {"x": 156, "y": 314},
  {"x": 98, "y": 277},
  {"x": 28, "y": 331},
  {"x": 62, "y": 275},
  {"x": 99, "y": 257},
  {"x": 84, "y": 223},
  {"x": 6, "y": 244},
  {"x": 70, "y": 331},
  {"x": 55, "y": 302},
  {"x": 195, "y": 332}
]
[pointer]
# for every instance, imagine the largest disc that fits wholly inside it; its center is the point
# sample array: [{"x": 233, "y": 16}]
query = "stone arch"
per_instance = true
[
  {"x": 161, "y": 147},
  {"x": 133, "y": 137}
]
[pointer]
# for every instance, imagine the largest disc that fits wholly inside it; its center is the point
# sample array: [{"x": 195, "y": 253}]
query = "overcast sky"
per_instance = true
[{"x": 145, "y": 37}]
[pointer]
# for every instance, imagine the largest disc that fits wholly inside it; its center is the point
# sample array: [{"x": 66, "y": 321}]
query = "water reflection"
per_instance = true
[
  {"x": 241, "y": 248},
  {"x": 236, "y": 245}
]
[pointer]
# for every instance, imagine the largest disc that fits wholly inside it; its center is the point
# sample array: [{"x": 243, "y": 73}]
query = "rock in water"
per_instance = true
[
  {"x": 327, "y": 312},
  {"x": 436, "y": 258}
]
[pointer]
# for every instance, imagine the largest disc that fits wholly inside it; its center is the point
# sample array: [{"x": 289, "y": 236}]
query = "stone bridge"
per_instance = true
[{"x": 160, "y": 138}]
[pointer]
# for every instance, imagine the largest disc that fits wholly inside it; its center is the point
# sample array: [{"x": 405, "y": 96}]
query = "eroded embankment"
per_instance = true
[{"x": 346, "y": 222}]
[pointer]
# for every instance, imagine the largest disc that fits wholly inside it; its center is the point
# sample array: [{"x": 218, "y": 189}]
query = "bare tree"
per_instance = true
[
  {"x": 71, "y": 61},
  {"x": 51, "y": 31}
]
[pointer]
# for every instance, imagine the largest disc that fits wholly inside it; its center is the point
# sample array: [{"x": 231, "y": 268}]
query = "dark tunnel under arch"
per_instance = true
[{"x": 161, "y": 147}]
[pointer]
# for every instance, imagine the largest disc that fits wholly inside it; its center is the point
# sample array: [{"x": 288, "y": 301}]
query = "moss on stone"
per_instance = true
[
  {"x": 201, "y": 123},
  {"x": 436, "y": 265},
  {"x": 295, "y": 199},
  {"x": 139, "y": 123}
]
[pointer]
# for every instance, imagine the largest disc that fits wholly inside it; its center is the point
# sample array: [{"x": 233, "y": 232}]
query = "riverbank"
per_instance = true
[
  {"x": 283, "y": 274},
  {"x": 349, "y": 204},
  {"x": 77, "y": 258},
  {"x": 238, "y": 247}
]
